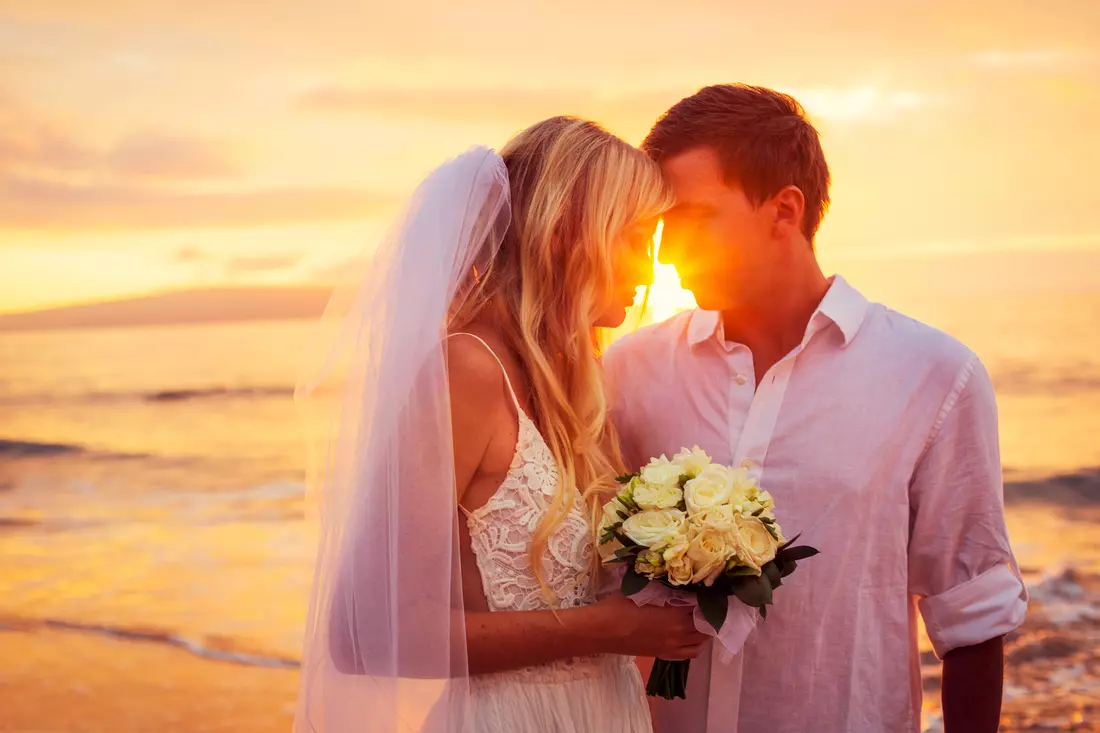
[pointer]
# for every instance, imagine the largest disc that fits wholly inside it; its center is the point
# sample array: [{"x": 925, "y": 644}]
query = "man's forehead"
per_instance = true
[{"x": 694, "y": 173}]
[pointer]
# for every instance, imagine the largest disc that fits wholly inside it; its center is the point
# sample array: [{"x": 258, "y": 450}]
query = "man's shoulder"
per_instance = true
[{"x": 916, "y": 342}]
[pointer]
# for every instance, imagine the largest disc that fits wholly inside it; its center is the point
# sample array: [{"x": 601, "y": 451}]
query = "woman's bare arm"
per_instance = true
[{"x": 497, "y": 641}]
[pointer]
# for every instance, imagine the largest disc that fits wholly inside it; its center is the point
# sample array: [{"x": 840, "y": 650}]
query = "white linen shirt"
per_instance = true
[{"x": 878, "y": 438}]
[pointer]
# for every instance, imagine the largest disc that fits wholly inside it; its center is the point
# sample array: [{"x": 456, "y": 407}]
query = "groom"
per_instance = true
[{"x": 876, "y": 434}]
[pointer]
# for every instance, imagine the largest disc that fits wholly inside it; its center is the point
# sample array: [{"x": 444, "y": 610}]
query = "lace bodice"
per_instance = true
[{"x": 502, "y": 529}]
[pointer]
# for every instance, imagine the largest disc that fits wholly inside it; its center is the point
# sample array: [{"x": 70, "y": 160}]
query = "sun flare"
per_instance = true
[{"x": 666, "y": 296}]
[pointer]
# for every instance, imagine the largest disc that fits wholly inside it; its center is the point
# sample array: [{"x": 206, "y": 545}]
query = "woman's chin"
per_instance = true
[{"x": 613, "y": 317}]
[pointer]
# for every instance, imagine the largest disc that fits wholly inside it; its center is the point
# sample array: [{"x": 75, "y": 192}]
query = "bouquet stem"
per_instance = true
[{"x": 668, "y": 679}]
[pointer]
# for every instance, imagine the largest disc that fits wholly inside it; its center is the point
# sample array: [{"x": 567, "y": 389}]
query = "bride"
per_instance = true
[{"x": 457, "y": 579}]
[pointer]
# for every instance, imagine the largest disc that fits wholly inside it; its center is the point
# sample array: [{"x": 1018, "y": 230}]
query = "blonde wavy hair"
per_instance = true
[{"x": 575, "y": 190}]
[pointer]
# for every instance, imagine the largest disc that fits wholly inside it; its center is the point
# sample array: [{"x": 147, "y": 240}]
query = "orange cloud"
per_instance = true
[
  {"x": 30, "y": 141},
  {"x": 239, "y": 265},
  {"x": 53, "y": 180},
  {"x": 35, "y": 203},
  {"x": 159, "y": 155},
  {"x": 489, "y": 103}
]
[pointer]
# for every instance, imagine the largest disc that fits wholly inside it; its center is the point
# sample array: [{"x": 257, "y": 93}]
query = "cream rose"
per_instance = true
[
  {"x": 655, "y": 528},
  {"x": 716, "y": 518},
  {"x": 691, "y": 462},
  {"x": 744, "y": 489},
  {"x": 657, "y": 496},
  {"x": 661, "y": 472},
  {"x": 712, "y": 487},
  {"x": 677, "y": 562},
  {"x": 756, "y": 546},
  {"x": 708, "y": 553},
  {"x": 614, "y": 512}
]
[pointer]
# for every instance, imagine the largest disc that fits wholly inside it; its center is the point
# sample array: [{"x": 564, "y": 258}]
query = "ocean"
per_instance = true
[{"x": 151, "y": 487}]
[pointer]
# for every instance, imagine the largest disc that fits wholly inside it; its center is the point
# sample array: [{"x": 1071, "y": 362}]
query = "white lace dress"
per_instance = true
[{"x": 599, "y": 694}]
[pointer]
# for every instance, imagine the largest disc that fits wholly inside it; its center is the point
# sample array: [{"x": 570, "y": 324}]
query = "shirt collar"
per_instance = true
[{"x": 843, "y": 305}]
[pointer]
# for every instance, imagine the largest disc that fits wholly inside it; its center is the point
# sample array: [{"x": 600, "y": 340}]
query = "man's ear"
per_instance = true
[{"x": 790, "y": 206}]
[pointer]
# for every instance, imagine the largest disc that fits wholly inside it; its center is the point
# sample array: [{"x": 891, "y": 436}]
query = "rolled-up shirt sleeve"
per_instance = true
[{"x": 961, "y": 567}]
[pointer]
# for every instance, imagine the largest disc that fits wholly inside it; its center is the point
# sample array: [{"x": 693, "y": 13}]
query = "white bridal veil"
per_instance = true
[{"x": 384, "y": 642}]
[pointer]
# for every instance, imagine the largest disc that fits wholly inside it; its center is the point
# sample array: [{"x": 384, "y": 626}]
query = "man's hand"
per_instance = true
[{"x": 973, "y": 681}]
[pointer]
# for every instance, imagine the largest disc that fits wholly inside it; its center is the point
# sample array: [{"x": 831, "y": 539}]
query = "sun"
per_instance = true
[{"x": 666, "y": 297}]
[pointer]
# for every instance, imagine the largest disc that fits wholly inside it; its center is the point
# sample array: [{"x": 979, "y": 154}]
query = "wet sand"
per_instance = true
[{"x": 53, "y": 681}]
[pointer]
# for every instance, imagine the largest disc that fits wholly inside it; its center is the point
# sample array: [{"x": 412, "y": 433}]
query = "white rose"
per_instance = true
[
  {"x": 661, "y": 472},
  {"x": 614, "y": 512},
  {"x": 708, "y": 553},
  {"x": 691, "y": 462},
  {"x": 756, "y": 546},
  {"x": 657, "y": 496},
  {"x": 677, "y": 563},
  {"x": 712, "y": 487},
  {"x": 654, "y": 528},
  {"x": 717, "y": 518},
  {"x": 744, "y": 489}
]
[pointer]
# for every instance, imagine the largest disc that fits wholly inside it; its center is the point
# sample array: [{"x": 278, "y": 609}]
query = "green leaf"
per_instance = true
[
  {"x": 714, "y": 605},
  {"x": 775, "y": 578},
  {"x": 772, "y": 531},
  {"x": 684, "y": 478},
  {"x": 740, "y": 570},
  {"x": 755, "y": 591},
  {"x": 626, "y": 478},
  {"x": 758, "y": 512},
  {"x": 633, "y": 582},
  {"x": 790, "y": 542},
  {"x": 786, "y": 567},
  {"x": 627, "y": 542},
  {"x": 623, "y": 554},
  {"x": 766, "y": 584},
  {"x": 797, "y": 553},
  {"x": 766, "y": 520},
  {"x": 610, "y": 532}
]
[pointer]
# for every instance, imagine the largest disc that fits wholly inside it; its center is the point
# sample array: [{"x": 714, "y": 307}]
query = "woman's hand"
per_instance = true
[{"x": 667, "y": 632}]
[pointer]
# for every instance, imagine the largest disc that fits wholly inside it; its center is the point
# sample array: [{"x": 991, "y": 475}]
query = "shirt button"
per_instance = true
[
  {"x": 742, "y": 379},
  {"x": 746, "y": 464}
]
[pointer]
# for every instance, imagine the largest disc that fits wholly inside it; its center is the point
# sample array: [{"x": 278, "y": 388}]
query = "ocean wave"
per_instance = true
[
  {"x": 34, "y": 449},
  {"x": 30, "y": 449},
  {"x": 1033, "y": 379},
  {"x": 160, "y": 395},
  {"x": 217, "y": 648},
  {"x": 1080, "y": 488},
  {"x": 177, "y": 395}
]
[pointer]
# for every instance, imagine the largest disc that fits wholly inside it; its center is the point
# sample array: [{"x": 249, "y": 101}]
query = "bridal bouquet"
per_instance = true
[{"x": 700, "y": 528}]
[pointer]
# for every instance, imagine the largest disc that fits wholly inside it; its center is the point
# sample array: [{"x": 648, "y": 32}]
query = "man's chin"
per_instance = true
[{"x": 705, "y": 300}]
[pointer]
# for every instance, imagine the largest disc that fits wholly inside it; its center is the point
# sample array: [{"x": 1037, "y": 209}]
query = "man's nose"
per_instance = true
[{"x": 671, "y": 246}]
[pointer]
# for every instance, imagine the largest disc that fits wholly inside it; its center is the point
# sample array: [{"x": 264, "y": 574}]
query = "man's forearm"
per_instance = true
[{"x": 973, "y": 680}]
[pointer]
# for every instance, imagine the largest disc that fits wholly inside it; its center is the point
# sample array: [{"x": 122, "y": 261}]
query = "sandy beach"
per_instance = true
[
  {"x": 82, "y": 680},
  {"x": 75, "y": 681}
]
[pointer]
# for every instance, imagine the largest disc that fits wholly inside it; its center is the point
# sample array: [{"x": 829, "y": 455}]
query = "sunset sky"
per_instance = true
[{"x": 148, "y": 145}]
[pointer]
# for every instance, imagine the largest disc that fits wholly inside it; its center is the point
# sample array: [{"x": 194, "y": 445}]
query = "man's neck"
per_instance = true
[{"x": 774, "y": 326}]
